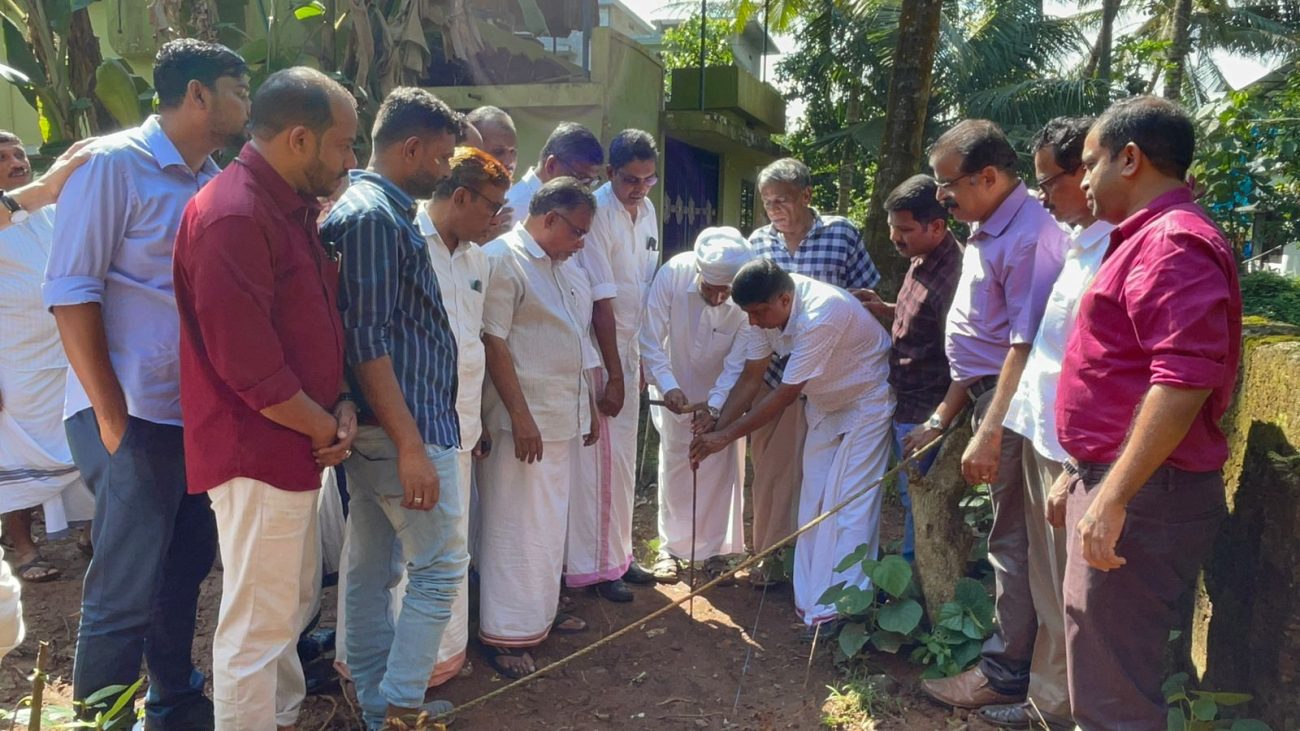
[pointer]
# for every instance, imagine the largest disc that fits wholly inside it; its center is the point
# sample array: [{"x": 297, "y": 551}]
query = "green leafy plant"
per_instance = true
[
  {"x": 1198, "y": 710},
  {"x": 111, "y": 708},
  {"x": 889, "y": 616}
]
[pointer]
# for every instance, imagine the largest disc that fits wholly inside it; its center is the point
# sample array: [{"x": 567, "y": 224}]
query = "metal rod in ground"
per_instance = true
[
  {"x": 695, "y": 486},
  {"x": 749, "y": 650},
  {"x": 817, "y": 632}
]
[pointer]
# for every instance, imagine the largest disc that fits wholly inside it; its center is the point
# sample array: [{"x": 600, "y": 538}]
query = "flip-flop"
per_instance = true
[
  {"x": 494, "y": 655},
  {"x": 561, "y": 618},
  {"x": 39, "y": 562}
]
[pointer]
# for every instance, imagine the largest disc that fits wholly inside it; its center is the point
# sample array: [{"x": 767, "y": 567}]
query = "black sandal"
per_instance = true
[{"x": 494, "y": 654}]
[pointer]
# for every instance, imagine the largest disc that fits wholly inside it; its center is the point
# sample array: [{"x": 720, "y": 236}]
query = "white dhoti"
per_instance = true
[
  {"x": 837, "y": 464},
  {"x": 600, "y": 509},
  {"x": 719, "y": 509},
  {"x": 523, "y": 508},
  {"x": 455, "y": 637}
]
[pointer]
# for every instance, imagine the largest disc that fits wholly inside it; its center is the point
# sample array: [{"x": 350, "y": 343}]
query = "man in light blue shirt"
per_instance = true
[{"x": 109, "y": 285}]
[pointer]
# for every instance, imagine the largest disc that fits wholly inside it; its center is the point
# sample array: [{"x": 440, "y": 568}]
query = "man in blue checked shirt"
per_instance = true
[
  {"x": 826, "y": 248},
  {"x": 401, "y": 359}
]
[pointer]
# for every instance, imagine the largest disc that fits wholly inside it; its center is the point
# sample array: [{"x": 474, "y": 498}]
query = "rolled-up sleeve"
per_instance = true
[
  {"x": 503, "y": 295},
  {"x": 230, "y": 276},
  {"x": 594, "y": 257},
  {"x": 89, "y": 226},
  {"x": 370, "y": 247},
  {"x": 1179, "y": 300},
  {"x": 655, "y": 332}
]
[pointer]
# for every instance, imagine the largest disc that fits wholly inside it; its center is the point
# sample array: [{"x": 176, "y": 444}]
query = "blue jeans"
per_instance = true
[
  {"x": 909, "y": 535},
  {"x": 391, "y": 665},
  {"x": 141, "y": 589}
]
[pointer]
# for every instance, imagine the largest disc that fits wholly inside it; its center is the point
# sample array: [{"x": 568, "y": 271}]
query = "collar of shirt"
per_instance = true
[
  {"x": 401, "y": 201},
  {"x": 1092, "y": 235},
  {"x": 1158, "y": 205},
  {"x": 164, "y": 151},
  {"x": 947, "y": 249},
  {"x": 605, "y": 197},
  {"x": 997, "y": 223},
  {"x": 430, "y": 232},
  {"x": 796, "y": 311},
  {"x": 533, "y": 248},
  {"x": 282, "y": 194},
  {"x": 530, "y": 179},
  {"x": 774, "y": 238}
]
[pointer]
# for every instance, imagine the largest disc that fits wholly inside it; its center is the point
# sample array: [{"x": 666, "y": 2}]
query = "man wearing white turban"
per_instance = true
[{"x": 692, "y": 352}]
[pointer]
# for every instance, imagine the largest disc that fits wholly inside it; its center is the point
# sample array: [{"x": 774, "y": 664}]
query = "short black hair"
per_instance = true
[
  {"x": 979, "y": 143},
  {"x": 631, "y": 145},
  {"x": 294, "y": 97},
  {"x": 759, "y": 281},
  {"x": 917, "y": 195},
  {"x": 1065, "y": 136},
  {"x": 572, "y": 143},
  {"x": 410, "y": 111},
  {"x": 188, "y": 59},
  {"x": 1159, "y": 127},
  {"x": 563, "y": 194}
]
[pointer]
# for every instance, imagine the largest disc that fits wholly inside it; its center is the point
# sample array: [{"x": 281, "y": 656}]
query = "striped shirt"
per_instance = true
[
  {"x": 831, "y": 252},
  {"x": 391, "y": 304}
]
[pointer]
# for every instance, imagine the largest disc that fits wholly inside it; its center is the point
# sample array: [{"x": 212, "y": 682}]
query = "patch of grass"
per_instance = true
[{"x": 860, "y": 702}]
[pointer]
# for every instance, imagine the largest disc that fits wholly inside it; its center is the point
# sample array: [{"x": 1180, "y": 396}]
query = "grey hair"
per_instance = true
[
  {"x": 563, "y": 193},
  {"x": 786, "y": 170}
]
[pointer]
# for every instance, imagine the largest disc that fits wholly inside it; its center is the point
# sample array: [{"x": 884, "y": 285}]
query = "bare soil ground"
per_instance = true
[{"x": 677, "y": 672}]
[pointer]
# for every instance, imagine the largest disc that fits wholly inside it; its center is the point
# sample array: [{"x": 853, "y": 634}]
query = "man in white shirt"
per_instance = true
[
  {"x": 458, "y": 216},
  {"x": 621, "y": 256},
  {"x": 839, "y": 360},
  {"x": 571, "y": 150},
  {"x": 1058, "y": 151},
  {"x": 693, "y": 349},
  {"x": 535, "y": 405}
]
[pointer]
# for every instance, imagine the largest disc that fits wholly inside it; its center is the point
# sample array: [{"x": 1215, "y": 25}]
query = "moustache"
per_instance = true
[{"x": 949, "y": 204}]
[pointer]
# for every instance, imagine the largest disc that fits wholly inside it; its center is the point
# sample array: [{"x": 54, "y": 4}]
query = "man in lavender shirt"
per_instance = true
[
  {"x": 109, "y": 284},
  {"x": 1012, "y": 257}
]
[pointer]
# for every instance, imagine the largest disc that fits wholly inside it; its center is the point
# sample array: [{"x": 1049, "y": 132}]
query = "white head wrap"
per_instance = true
[{"x": 720, "y": 252}]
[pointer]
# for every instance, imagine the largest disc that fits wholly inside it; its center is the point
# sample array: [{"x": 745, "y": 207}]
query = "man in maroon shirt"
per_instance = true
[
  {"x": 261, "y": 382},
  {"x": 1149, "y": 370}
]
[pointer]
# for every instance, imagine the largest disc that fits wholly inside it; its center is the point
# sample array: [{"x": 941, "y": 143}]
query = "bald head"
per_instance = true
[
  {"x": 296, "y": 97},
  {"x": 499, "y": 138}
]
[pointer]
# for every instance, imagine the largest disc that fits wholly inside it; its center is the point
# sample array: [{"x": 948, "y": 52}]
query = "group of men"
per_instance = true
[{"x": 296, "y": 314}]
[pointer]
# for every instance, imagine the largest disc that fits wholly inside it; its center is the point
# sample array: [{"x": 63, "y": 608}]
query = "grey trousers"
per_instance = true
[
  {"x": 1006, "y": 655},
  {"x": 1117, "y": 622}
]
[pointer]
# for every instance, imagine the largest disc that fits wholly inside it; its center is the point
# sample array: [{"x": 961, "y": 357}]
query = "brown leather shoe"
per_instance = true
[
  {"x": 1024, "y": 716},
  {"x": 968, "y": 690}
]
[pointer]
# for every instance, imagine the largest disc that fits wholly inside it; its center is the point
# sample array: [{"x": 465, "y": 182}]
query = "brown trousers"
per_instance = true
[
  {"x": 777, "y": 451},
  {"x": 1117, "y": 622}
]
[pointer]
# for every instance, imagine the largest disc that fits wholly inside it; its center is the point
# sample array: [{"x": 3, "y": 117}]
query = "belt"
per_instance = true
[{"x": 981, "y": 386}]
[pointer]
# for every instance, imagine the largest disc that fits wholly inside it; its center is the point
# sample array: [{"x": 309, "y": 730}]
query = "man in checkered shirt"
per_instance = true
[{"x": 825, "y": 248}]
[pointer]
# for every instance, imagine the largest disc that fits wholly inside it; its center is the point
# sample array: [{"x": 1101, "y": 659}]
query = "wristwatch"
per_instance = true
[
  {"x": 934, "y": 422},
  {"x": 17, "y": 214},
  {"x": 714, "y": 412}
]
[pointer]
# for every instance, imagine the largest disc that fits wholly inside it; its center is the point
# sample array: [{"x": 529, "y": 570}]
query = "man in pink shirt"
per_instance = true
[
  {"x": 1148, "y": 372},
  {"x": 1012, "y": 257}
]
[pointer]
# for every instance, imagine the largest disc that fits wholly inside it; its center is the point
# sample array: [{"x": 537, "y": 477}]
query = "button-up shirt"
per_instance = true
[
  {"x": 462, "y": 279},
  {"x": 1007, "y": 271},
  {"x": 113, "y": 242},
  {"x": 837, "y": 350},
  {"x": 391, "y": 303},
  {"x": 1165, "y": 308},
  {"x": 832, "y": 252},
  {"x": 918, "y": 365},
  {"x": 521, "y": 194},
  {"x": 620, "y": 255},
  {"x": 535, "y": 307},
  {"x": 1032, "y": 413},
  {"x": 256, "y": 294},
  {"x": 687, "y": 343}
]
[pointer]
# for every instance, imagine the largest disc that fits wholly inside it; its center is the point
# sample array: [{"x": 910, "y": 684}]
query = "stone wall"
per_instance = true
[{"x": 1245, "y": 633}]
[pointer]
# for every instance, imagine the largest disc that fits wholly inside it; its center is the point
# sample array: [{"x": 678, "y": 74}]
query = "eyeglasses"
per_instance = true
[
  {"x": 579, "y": 232},
  {"x": 950, "y": 184},
  {"x": 495, "y": 205},
  {"x": 632, "y": 181},
  {"x": 588, "y": 182},
  {"x": 1050, "y": 180}
]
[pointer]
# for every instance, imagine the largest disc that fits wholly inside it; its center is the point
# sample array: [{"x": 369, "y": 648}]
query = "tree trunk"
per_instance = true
[
  {"x": 905, "y": 117},
  {"x": 848, "y": 159},
  {"x": 84, "y": 57},
  {"x": 943, "y": 540},
  {"x": 1106, "y": 40},
  {"x": 1179, "y": 46}
]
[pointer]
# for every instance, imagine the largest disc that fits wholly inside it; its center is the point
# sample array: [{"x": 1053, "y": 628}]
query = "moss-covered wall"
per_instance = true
[{"x": 1246, "y": 624}]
